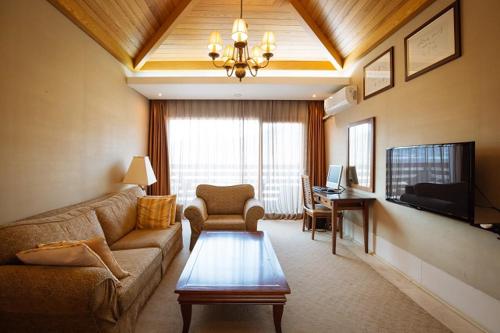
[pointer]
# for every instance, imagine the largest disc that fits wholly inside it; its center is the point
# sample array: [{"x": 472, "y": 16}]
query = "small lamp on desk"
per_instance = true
[{"x": 140, "y": 172}]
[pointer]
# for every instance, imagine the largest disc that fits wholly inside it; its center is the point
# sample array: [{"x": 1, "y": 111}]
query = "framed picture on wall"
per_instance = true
[
  {"x": 378, "y": 75},
  {"x": 433, "y": 44}
]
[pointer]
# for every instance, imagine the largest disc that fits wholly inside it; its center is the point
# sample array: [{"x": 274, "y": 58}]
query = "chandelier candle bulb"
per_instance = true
[
  {"x": 228, "y": 53},
  {"x": 268, "y": 43},
  {"x": 257, "y": 55},
  {"x": 214, "y": 44},
  {"x": 240, "y": 32}
]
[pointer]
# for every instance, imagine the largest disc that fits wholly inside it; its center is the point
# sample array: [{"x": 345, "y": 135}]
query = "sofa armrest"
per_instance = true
[
  {"x": 55, "y": 290},
  {"x": 253, "y": 212},
  {"x": 196, "y": 213}
]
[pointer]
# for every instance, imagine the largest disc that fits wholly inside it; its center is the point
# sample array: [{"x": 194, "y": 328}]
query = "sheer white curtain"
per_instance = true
[{"x": 261, "y": 143}]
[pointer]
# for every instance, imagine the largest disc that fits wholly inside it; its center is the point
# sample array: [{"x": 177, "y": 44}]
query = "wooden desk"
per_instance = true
[
  {"x": 347, "y": 200},
  {"x": 228, "y": 267}
]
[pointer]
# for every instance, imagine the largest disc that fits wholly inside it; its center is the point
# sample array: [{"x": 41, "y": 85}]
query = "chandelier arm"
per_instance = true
[
  {"x": 267, "y": 63},
  {"x": 247, "y": 54},
  {"x": 232, "y": 71},
  {"x": 254, "y": 74},
  {"x": 217, "y": 66},
  {"x": 235, "y": 49}
]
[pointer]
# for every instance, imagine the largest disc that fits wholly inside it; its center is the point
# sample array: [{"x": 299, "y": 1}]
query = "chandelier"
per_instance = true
[{"x": 235, "y": 58}]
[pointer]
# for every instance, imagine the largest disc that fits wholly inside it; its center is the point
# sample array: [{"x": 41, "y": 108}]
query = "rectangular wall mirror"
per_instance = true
[{"x": 361, "y": 155}]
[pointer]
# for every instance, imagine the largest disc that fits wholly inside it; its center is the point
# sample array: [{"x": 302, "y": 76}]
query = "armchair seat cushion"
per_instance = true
[
  {"x": 225, "y": 222},
  {"x": 144, "y": 267}
]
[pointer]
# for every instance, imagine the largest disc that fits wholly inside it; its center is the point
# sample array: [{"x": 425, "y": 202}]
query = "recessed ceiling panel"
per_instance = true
[{"x": 189, "y": 38}]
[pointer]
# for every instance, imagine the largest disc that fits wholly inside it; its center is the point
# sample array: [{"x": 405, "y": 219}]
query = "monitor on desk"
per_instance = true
[{"x": 334, "y": 176}]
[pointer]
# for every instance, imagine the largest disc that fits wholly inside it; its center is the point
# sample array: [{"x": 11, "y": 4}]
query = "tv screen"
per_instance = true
[{"x": 438, "y": 178}]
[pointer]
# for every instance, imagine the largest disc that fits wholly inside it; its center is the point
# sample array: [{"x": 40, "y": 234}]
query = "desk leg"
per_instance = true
[
  {"x": 365, "y": 224},
  {"x": 341, "y": 225},
  {"x": 334, "y": 228}
]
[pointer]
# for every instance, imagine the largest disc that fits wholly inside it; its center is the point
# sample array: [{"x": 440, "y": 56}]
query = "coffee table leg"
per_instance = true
[
  {"x": 277, "y": 314},
  {"x": 186, "y": 317}
]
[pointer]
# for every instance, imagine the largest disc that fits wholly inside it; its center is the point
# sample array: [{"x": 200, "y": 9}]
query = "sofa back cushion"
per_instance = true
[
  {"x": 221, "y": 200},
  {"x": 117, "y": 215},
  {"x": 23, "y": 235}
]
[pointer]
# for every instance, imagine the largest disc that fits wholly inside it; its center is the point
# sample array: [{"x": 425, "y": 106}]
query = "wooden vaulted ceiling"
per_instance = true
[{"x": 172, "y": 34}]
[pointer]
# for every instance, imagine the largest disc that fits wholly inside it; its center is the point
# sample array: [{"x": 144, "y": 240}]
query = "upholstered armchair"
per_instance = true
[{"x": 223, "y": 208}]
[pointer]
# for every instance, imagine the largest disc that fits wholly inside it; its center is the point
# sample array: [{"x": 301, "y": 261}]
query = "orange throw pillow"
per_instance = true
[{"x": 156, "y": 212}]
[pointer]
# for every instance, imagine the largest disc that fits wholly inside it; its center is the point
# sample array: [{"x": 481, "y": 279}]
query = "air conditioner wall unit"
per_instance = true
[{"x": 341, "y": 101}]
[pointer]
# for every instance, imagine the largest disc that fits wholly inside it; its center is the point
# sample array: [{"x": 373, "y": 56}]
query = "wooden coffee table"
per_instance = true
[{"x": 232, "y": 268}]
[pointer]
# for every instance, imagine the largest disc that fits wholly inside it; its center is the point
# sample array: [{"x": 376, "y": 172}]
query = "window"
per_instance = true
[{"x": 258, "y": 146}]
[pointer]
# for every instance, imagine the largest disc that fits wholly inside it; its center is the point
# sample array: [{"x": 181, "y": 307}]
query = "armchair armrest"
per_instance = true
[
  {"x": 51, "y": 291},
  {"x": 253, "y": 211},
  {"x": 196, "y": 213}
]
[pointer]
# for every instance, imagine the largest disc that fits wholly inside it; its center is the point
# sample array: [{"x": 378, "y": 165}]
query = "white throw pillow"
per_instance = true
[{"x": 64, "y": 254}]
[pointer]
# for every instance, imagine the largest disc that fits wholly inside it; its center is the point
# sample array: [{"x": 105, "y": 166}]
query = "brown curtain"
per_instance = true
[
  {"x": 316, "y": 156},
  {"x": 158, "y": 148}
]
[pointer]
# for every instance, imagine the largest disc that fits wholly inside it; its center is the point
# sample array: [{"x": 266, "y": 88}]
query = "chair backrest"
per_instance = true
[
  {"x": 224, "y": 200},
  {"x": 307, "y": 192}
]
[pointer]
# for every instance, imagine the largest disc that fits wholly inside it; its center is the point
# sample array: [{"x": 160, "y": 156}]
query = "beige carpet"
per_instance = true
[{"x": 329, "y": 294}]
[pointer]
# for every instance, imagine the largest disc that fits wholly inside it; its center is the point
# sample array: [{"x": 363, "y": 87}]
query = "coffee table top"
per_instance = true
[{"x": 226, "y": 261}]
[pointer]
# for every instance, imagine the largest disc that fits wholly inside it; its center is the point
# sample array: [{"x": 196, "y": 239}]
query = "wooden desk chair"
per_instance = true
[{"x": 312, "y": 209}]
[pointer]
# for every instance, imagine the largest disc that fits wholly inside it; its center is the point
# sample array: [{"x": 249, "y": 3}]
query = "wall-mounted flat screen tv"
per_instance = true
[{"x": 438, "y": 178}]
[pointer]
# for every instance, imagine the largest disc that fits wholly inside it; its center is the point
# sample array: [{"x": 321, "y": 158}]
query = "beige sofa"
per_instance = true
[
  {"x": 83, "y": 299},
  {"x": 223, "y": 208}
]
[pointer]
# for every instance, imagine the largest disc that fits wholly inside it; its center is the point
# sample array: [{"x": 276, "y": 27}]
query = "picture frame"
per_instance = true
[
  {"x": 378, "y": 75},
  {"x": 434, "y": 43}
]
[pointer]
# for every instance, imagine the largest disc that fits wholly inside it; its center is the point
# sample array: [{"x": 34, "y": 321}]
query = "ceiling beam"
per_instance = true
[
  {"x": 310, "y": 24},
  {"x": 393, "y": 22},
  {"x": 73, "y": 11},
  {"x": 207, "y": 65},
  {"x": 181, "y": 10}
]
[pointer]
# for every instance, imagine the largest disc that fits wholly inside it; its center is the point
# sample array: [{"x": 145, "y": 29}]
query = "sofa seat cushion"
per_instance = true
[
  {"x": 163, "y": 239},
  {"x": 142, "y": 264},
  {"x": 224, "y": 222}
]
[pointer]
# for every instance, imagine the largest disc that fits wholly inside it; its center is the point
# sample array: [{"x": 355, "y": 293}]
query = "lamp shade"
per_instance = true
[
  {"x": 215, "y": 42},
  {"x": 240, "y": 32},
  {"x": 268, "y": 42},
  {"x": 140, "y": 172}
]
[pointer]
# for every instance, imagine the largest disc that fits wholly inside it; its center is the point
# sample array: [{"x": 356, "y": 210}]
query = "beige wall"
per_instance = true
[
  {"x": 69, "y": 125},
  {"x": 459, "y": 101}
]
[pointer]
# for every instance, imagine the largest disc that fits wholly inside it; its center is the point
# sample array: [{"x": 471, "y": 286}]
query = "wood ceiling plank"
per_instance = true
[
  {"x": 352, "y": 19},
  {"x": 144, "y": 21},
  {"x": 371, "y": 22},
  {"x": 72, "y": 10},
  {"x": 114, "y": 22},
  {"x": 332, "y": 23},
  {"x": 325, "y": 10},
  {"x": 391, "y": 23},
  {"x": 161, "y": 34},
  {"x": 311, "y": 25}
]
